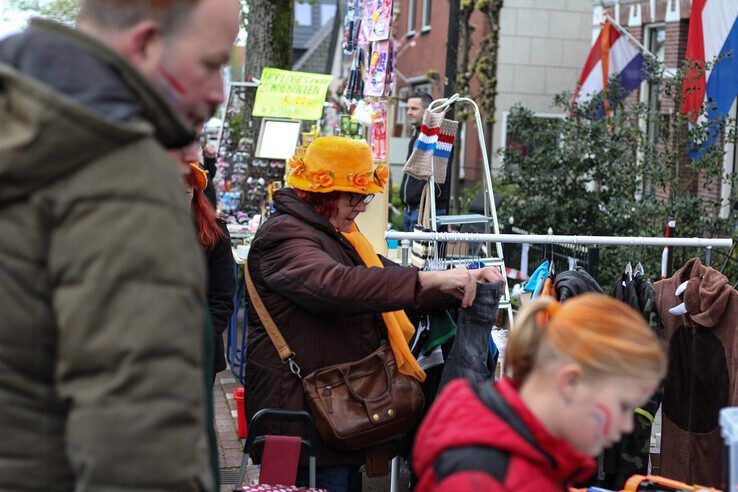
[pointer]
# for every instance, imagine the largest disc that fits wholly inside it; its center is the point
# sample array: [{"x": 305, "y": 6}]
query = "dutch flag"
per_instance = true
[
  {"x": 713, "y": 34},
  {"x": 612, "y": 55}
]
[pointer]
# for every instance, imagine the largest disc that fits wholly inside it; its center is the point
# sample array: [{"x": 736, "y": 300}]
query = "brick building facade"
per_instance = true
[
  {"x": 662, "y": 26},
  {"x": 543, "y": 46}
]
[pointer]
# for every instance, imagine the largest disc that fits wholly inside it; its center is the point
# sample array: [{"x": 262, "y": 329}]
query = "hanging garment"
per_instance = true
[
  {"x": 572, "y": 283},
  {"x": 535, "y": 282},
  {"x": 630, "y": 456},
  {"x": 470, "y": 354},
  {"x": 548, "y": 288},
  {"x": 703, "y": 366}
]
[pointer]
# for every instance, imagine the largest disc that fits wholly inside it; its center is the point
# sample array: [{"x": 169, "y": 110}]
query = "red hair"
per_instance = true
[
  {"x": 323, "y": 203},
  {"x": 203, "y": 212}
]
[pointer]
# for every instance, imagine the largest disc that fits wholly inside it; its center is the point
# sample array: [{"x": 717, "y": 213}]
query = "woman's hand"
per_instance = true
[
  {"x": 490, "y": 275},
  {"x": 460, "y": 282},
  {"x": 457, "y": 282}
]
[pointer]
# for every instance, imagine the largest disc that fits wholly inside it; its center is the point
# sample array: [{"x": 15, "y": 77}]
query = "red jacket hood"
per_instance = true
[{"x": 459, "y": 418}]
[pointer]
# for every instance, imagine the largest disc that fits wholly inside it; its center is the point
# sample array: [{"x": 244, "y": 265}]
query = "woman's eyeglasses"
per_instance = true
[{"x": 356, "y": 198}]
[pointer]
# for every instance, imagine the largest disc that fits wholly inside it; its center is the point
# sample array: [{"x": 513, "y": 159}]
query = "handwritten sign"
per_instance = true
[{"x": 291, "y": 95}]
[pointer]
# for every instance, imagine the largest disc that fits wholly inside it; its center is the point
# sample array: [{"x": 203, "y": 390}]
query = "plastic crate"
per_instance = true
[{"x": 729, "y": 431}]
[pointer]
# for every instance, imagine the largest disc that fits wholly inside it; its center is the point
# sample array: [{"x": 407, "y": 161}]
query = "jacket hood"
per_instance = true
[
  {"x": 572, "y": 283},
  {"x": 707, "y": 294},
  {"x": 459, "y": 418},
  {"x": 65, "y": 99}
]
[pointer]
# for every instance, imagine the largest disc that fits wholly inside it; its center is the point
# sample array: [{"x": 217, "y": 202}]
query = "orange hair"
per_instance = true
[
  {"x": 206, "y": 221},
  {"x": 604, "y": 335}
]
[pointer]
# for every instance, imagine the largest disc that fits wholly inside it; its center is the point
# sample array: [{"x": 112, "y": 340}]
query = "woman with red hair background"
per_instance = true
[{"x": 216, "y": 243}]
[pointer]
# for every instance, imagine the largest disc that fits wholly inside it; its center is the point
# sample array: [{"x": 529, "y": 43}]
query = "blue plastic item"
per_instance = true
[
  {"x": 476, "y": 265},
  {"x": 535, "y": 283}
]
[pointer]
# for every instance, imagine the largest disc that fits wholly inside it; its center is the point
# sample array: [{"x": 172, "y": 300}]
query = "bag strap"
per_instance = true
[{"x": 285, "y": 353}]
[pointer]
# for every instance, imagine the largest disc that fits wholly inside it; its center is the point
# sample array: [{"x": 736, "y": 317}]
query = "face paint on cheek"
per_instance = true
[
  {"x": 606, "y": 418},
  {"x": 172, "y": 81}
]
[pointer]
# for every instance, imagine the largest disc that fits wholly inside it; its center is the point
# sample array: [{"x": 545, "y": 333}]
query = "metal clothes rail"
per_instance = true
[{"x": 559, "y": 239}]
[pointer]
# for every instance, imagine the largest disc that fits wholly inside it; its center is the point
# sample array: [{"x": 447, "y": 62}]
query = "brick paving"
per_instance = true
[{"x": 230, "y": 448}]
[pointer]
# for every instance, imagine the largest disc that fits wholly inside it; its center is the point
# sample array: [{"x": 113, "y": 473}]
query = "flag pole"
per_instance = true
[{"x": 627, "y": 34}]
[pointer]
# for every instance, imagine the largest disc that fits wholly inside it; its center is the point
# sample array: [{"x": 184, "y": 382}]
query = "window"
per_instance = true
[
  {"x": 327, "y": 13},
  {"x": 401, "y": 118},
  {"x": 410, "y": 17},
  {"x": 423, "y": 86},
  {"x": 426, "y": 16},
  {"x": 656, "y": 38},
  {"x": 303, "y": 14}
]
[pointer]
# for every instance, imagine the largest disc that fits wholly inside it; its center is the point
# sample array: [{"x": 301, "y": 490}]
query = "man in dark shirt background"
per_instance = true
[{"x": 411, "y": 188}]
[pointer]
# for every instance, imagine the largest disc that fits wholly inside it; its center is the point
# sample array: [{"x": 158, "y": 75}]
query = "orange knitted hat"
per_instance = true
[{"x": 337, "y": 164}]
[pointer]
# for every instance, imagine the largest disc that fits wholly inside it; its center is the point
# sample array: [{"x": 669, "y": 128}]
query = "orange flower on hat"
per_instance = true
[
  {"x": 360, "y": 180},
  {"x": 320, "y": 179},
  {"x": 381, "y": 175},
  {"x": 297, "y": 166}
]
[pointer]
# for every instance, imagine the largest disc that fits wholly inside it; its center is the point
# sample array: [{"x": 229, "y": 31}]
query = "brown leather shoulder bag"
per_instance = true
[{"x": 355, "y": 405}]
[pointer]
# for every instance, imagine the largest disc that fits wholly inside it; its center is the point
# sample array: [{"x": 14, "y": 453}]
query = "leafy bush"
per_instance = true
[{"x": 590, "y": 174}]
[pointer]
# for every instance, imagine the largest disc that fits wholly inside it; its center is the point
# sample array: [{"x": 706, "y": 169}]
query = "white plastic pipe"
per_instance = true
[{"x": 555, "y": 239}]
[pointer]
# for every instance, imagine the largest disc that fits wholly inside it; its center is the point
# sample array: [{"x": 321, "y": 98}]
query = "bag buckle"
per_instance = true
[{"x": 294, "y": 368}]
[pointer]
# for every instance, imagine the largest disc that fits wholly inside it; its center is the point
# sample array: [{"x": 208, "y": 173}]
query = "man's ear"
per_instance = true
[
  {"x": 568, "y": 378},
  {"x": 143, "y": 46}
]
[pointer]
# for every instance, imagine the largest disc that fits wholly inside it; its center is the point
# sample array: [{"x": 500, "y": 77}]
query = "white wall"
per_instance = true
[{"x": 543, "y": 47}]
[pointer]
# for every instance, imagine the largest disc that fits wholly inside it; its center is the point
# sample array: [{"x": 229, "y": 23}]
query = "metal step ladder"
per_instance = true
[{"x": 490, "y": 210}]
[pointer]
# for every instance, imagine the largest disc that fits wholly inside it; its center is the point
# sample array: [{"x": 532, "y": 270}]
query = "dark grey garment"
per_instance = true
[
  {"x": 469, "y": 355},
  {"x": 572, "y": 283}
]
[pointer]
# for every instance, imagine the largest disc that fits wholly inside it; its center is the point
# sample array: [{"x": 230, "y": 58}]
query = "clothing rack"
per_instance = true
[{"x": 473, "y": 237}]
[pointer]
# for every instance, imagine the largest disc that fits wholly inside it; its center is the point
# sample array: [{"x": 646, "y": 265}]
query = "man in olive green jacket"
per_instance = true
[{"x": 101, "y": 276}]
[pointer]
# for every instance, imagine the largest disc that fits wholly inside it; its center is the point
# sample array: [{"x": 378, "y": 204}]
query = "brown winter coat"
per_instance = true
[
  {"x": 326, "y": 303},
  {"x": 703, "y": 365}
]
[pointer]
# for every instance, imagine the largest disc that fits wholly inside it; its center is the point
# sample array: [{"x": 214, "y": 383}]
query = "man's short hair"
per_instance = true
[
  {"x": 122, "y": 14},
  {"x": 425, "y": 98}
]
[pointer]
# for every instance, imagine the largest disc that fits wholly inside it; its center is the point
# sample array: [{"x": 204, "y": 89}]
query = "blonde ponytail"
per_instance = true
[{"x": 525, "y": 338}]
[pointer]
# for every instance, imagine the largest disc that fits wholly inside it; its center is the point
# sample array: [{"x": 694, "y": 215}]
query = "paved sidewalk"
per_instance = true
[{"x": 230, "y": 447}]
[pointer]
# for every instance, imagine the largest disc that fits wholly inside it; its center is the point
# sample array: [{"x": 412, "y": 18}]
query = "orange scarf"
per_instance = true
[{"x": 399, "y": 328}]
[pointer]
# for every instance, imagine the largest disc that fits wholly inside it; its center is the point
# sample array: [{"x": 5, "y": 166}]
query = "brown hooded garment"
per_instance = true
[{"x": 703, "y": 363}]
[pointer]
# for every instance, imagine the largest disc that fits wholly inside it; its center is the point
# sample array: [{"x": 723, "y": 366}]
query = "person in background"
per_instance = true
[
  {"x": 102, "y": 282},
  {"x": 579, "y": 370},
  {"x": 411, "y": 189},
  {"x": 332, "y": 297},
  {"x": 210, "y": 158},
  {"x": 216, "y": 243}
]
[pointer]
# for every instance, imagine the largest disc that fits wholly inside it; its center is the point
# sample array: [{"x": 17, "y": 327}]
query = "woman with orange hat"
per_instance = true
[
  {"x": 216, "y": 243},
  {"x": 577, "y": 373},
  {"x": 332, "y": 297}
]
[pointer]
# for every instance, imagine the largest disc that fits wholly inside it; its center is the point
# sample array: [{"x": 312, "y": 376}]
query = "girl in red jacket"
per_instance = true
[{"x": 578, "y": 371}]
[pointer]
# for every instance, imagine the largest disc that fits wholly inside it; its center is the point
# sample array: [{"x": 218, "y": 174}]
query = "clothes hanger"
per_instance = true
[
  {"x": 629, "y": 271},
  {"x": 638, "y": 270}
]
